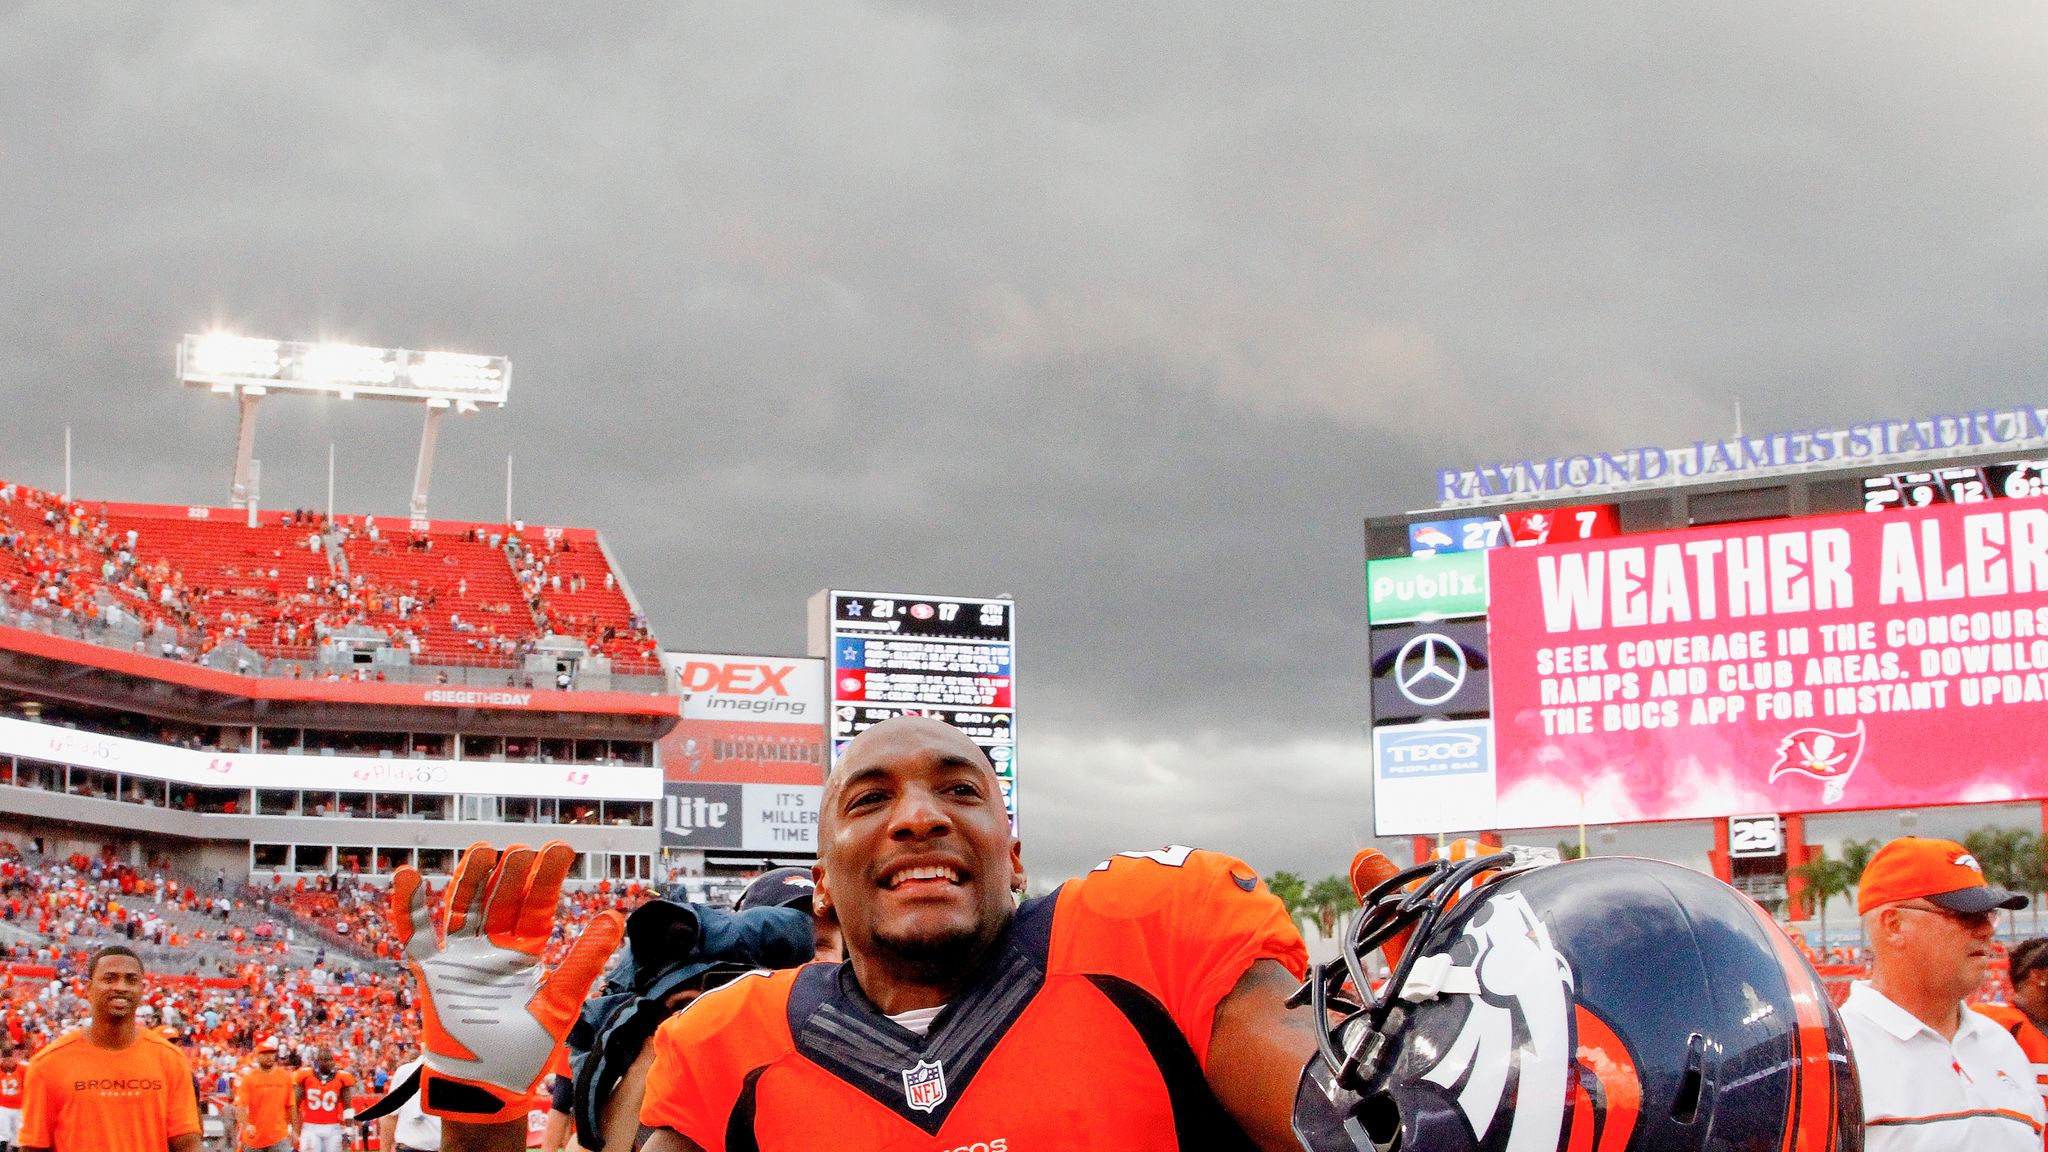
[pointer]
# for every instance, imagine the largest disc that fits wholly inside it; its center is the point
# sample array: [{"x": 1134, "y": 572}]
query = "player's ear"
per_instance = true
[
  {"x": 821, "y": 900},
  {"x": 1018, "y": 880}
]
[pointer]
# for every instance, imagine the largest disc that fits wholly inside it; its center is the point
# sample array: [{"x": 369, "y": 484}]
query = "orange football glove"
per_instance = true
[
  {"x": 1369, "y": 868},
  {"x": 492, "y": 1020}
]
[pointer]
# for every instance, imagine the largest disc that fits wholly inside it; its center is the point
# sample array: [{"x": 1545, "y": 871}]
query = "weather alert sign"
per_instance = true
[{"x": 1817, "y": 664}]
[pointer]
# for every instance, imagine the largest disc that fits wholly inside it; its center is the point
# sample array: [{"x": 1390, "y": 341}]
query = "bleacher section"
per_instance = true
[{"x": 282, "y": 596}]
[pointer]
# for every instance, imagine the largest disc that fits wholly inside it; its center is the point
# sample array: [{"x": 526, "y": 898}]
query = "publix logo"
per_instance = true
[
  {"x": 1438, "y": 587},
  {"x": 1412, "y": 750}
]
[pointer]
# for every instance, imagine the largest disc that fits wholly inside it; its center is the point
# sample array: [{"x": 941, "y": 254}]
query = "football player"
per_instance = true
[
  {"x": 1147, "y": 1005},
  {"x": 11, "y": 1073},
  {"x": 323, "y": 1103}
]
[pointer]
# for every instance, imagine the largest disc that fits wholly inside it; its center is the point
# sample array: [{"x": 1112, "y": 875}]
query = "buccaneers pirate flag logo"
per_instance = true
[{"x": 1828, "y": 757}]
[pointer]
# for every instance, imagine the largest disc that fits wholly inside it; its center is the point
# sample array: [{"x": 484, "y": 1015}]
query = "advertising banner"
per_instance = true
[
  {"x": 1432, "y": 776},
  {"x": 768, "y": 818},
  {"x": 949, "y": 657},
  {"x": 1437, "y": 587},
  {"x": 1421, "y": 670},
  {"x": 746, "y": 719},
  {"x": 60, "y": 745},
  {"x": 1807, "y": 665}
]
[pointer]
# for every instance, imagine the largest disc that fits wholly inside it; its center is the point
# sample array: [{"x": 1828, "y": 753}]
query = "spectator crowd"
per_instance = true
[{"x": 217, "y": 592}]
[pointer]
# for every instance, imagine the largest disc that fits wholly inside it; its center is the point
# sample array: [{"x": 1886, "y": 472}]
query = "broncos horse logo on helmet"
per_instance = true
[{"x": 1604, "y": 1005}]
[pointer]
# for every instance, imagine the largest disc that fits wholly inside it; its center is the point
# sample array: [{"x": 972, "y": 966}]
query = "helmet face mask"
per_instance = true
[{"x": 1609, "y": 1004}]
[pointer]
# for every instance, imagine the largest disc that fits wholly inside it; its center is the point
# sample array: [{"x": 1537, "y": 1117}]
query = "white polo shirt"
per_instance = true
[
  {"x": 417, "y": 1128},
  {"x": 1922, "y": 1093}
]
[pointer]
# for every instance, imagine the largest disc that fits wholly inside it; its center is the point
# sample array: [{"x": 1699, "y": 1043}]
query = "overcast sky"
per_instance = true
[{"x": 1132, "y": 311}]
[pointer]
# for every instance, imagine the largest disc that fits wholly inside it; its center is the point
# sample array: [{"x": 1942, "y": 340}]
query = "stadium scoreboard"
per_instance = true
[
  {"x": 952, "y": 658},
  {"x": 1717, "y": 642}
]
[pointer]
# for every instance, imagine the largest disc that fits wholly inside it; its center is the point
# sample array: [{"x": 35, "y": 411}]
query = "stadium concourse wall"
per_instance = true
[
  {"x": 219, "y": 772},
  {"x": 1884, "y": 672}
]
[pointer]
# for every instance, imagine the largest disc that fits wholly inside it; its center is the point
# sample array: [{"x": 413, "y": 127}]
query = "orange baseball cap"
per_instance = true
[
  {"x": 1939, "y": 871},
  {"x": 267, "y": 1044}
]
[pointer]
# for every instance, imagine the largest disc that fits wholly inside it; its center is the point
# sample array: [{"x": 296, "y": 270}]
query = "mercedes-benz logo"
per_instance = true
[{"x": 1430, "y": 669}]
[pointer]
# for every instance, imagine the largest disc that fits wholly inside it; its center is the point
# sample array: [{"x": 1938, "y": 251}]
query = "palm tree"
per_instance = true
[
  {"x": 1825, "y": 879},
  {"x": 2035, "y": 880},
  {"x": 1291, "y": 890},
  {"x": 2001, "y": 855},
  {"x": 1327, "y": 901},
  {"x": 1856, "y": 856},
  {"x": 2023, "y": 870}
]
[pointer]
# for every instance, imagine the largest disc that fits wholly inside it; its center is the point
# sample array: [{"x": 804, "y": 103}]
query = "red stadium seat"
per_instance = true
[{"x": 440, "y": 589}]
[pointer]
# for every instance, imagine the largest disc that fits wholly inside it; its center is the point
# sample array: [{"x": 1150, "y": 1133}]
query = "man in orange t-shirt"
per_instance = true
[
  {"x": 266, "y": 1103},
  {"x": 323, "y": 1101},
  {"x": 110, "y": 1086}
]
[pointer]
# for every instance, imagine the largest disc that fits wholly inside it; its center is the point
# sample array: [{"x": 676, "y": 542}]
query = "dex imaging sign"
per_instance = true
[{"x": 746, "y": 719}]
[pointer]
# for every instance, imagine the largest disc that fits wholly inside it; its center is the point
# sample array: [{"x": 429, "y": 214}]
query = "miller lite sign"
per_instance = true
[{"x": 924, "y": 1086}]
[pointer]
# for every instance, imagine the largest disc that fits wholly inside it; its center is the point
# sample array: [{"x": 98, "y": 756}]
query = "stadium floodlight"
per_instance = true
[
  {"x": 249, "y": 368},
  {"x": 220, "y": 360}
]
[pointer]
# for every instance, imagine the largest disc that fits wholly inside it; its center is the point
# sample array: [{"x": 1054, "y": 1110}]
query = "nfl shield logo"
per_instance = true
[{"x": 924, "y": 1086}]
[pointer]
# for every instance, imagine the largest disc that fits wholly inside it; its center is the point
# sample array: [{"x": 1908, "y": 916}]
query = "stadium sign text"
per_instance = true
[
  {"x": 1404, "y": 588},
  {"x": 1778, "y": 453}
]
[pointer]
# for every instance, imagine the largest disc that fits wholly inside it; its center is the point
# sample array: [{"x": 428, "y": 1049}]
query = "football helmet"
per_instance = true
[{"x": 1601, "y": 1005}]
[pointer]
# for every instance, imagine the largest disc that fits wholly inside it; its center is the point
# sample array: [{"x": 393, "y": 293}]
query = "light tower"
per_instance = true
[{"x": 250, "y": 369}]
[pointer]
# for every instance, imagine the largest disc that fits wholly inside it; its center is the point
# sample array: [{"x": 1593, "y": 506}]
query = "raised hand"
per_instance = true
[{"x": 492, "y": 1018}]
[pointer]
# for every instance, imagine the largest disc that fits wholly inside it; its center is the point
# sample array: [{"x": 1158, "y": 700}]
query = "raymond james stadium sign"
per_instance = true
[{"x": 1737, "y": 457}]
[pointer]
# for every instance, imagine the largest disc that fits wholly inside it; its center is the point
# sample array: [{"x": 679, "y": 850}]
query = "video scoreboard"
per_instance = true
[
  {"x": 1853, "y": 638},
  {"x": 1959, "y": 485},
  {"x": 952, "y": 658}
]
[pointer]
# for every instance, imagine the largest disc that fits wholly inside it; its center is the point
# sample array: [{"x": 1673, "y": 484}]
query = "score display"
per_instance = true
[
  {"x": 1519, "y": 528},
  {"x": 1961, "y": 485},
  {"x": 948, "y": 657}
]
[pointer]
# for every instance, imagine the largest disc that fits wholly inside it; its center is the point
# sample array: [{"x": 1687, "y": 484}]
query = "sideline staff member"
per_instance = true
[
  {"x": 410, "y": 1129},
  {"x": 266, "y": 1103},
  {"x": 110, "y": 1086},
  {"x": 1935, "y": 1075}
]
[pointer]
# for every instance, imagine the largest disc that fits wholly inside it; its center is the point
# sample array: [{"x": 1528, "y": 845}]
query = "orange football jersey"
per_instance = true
[
  {"x": 1092, "y": 1016},
  {"x": 10, "y": 1086},
  {"x": 2031, "y": 1039},
  {"x": 323, "y": 1099}
]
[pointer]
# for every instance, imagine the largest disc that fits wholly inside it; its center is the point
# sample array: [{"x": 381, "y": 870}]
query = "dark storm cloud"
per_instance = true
[{"x": 1132, "y": 312}]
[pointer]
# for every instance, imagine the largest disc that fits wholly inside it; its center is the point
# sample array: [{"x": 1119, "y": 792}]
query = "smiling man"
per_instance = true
[
  {"x": 110, "y": 1086},
  {"x": 1934, "y": 1074},
  {"x": 1141, "y": 1007}
]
